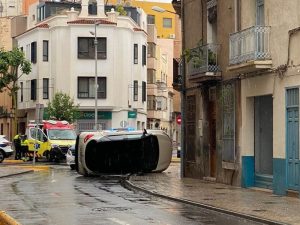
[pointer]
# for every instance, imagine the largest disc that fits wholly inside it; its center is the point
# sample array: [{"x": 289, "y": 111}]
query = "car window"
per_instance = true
[{"x": 37, "y": 134}]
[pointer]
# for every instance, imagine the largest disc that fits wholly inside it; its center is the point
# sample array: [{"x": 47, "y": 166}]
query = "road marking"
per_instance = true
[{"x": 118, "y": 221}]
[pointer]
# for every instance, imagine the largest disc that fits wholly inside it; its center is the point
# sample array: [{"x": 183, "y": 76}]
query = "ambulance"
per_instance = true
[{"x": 50, "y": 139}]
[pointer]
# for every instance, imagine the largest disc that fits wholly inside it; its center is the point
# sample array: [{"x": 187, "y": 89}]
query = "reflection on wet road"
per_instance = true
[{"x": 62, "y": 197}]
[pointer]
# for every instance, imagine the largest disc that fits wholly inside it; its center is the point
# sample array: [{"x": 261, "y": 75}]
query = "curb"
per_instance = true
[
  {"x": 17, "y": 173},
  {"x": 5, "y": 219},
  {"x": 129, "y": 185}
]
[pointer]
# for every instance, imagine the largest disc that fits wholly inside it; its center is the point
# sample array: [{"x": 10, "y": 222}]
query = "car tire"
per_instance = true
[
  {"x": 48, "y": 156},
  {"x": 2, "y": 155}
]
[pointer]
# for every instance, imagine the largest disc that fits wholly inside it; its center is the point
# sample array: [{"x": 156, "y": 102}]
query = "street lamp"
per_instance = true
[
  {"x": 183, "y": 89},
  {"x": 161, "y": 10},
  {"x": 96, "y": 75}
]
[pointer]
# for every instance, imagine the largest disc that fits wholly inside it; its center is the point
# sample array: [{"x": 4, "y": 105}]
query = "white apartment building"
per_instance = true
[{"x": 61, "y": 49}]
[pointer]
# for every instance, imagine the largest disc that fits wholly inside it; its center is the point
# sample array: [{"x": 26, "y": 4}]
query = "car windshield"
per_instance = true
[{"x": 62, "y": 134}]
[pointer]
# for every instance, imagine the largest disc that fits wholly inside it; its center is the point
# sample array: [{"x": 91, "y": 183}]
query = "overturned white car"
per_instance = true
[{"x": 122, "y": 152}]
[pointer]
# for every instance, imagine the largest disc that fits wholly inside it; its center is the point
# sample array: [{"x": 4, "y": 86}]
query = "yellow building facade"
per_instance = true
[{"x": 164, "y": 22}]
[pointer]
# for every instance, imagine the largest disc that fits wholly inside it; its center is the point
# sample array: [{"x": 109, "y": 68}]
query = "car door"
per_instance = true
[{"x": 37, "y": 140}]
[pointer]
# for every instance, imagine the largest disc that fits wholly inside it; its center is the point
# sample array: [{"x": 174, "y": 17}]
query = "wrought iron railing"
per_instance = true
[
  {"x": 204, "y": 59},
  {"x": 250, "y": 44}
]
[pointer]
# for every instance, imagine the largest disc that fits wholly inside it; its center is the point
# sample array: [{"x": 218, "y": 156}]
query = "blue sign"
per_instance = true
[{"x": 36, "y": 145}]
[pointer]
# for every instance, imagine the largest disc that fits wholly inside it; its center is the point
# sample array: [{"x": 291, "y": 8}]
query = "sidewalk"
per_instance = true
[{"x": 249, "y": 203}]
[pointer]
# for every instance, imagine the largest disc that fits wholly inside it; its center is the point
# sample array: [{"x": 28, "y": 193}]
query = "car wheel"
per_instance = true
[
  {"x": 1, "y": 156},
  {"x": 72, "y": 167},
  {"x": 48, "y": 157}
]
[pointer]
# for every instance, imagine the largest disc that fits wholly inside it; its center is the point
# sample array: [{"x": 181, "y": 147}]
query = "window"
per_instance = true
[
  {"x": 45, "y": 51},
  {"x": 144, "y": 55},
  {"x": 161, "y": 103},
  {"x": 33, "y": 52},
  {"x": 92, "y": 8},
  {"x": 86, "y": 87},
  {"x": 33, "y": 89},
  {"x": 45, "y": 88},
  {"x": 151, "y": 103},
  {"x": 41, "y": 13},
  {"x": 260, "y": 20},
  {"x": 228, "y": 96},
  {"x": 135, "y": 54},
  {"x": 167, "y": 22},
  {"x": 86, "y": 48},
  {"x": 151, "y": 19},
  {"x": 22, "y": 88},
  {"x": 135, "y": 90},
  {"x": 27, "y": 54},
  {"x": 143, "y": 91},
  {"x": 151, "y": 50},
  {"x": 151, "y": 76}
]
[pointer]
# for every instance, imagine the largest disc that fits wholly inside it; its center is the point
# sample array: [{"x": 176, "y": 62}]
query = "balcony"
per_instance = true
[
  {"x": 203, "y": 64},
  {"x": 249, "y": 50},
  {"x": 177, "y": 71}
]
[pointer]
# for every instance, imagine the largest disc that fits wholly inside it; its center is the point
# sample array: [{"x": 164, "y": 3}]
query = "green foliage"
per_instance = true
[
  {"x": 199, "y": 55},
  {"x": 62, "y": 107},
  {"x": 195, "y": 55},
  {"x": 11, "y": 63},
  {"x": 120, "y": 9}
]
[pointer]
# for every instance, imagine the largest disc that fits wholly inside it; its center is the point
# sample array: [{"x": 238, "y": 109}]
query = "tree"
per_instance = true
[
  {"x": 13, "y": 65},
  {"x": 62, "y": 107},
  {"x": 120, "y": 9}
]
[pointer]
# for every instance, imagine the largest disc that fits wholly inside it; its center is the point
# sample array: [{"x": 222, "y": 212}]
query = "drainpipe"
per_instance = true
[{"x": 183, "y": 99}]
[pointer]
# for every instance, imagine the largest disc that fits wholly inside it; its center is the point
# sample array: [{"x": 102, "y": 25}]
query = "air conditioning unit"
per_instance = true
[{"x": 172, "y": 36}]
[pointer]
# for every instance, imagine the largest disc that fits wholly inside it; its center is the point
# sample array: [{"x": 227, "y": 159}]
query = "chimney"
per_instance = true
[
  {"x": 72, "y": 14},
  {"x": 100, "y": 8},
  {"x": 112, "y": 15},
  {"x": 84, "y": 8}
]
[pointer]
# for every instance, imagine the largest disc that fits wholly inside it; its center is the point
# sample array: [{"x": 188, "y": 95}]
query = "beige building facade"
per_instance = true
[{"x": 242, "y": 93}]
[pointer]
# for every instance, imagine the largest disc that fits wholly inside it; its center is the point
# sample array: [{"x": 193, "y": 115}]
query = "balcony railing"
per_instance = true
[
  {"x": 249, "y": 45},
  {"x": 204, "y": 59}
]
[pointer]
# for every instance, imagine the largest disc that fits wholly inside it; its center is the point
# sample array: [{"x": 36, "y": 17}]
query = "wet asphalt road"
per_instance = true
[{"x": 62, "y": 197}]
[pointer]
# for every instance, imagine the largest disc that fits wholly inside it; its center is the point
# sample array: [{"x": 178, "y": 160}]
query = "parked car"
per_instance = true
[
  {"x": 5, "y": 148},
  {"x": 70, "y": 157},
  {"x": 122, "y": 152}
]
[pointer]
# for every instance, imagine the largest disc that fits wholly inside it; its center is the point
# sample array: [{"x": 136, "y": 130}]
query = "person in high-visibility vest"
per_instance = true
[
  {"x": 17, "y": 144},
  {"x": 24, "y": 146}
]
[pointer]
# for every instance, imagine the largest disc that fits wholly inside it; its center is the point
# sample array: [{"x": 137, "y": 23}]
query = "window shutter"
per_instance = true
[
  {"x": 144, "y": 55},
  {"x": 33, "y": 52},
  {"x": 33, "y": 89},
  {"x": 144, "y": 91}
]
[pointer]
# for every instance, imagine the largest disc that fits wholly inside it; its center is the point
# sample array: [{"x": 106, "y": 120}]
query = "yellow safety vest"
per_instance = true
[{"x": 24, "y": 143}]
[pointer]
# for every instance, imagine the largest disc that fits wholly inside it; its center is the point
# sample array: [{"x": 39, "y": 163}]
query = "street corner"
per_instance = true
[{"x": 5, "y": 219}]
